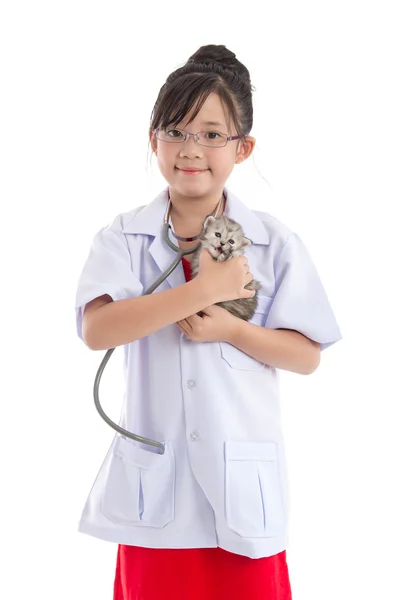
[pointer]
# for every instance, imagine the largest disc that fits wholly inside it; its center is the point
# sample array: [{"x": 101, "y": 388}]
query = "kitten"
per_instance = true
[{"x": 224, "y": 238}]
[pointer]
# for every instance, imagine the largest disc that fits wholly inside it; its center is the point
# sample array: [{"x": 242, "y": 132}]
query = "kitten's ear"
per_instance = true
[
  {"x": 210, "y": 219},
  {"x": 246, "y": 242}
]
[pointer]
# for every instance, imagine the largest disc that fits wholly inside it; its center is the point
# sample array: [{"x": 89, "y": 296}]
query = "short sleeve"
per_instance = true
[
  {"x": 300, "y": 302},
  {"x": 107, "y": 270}
]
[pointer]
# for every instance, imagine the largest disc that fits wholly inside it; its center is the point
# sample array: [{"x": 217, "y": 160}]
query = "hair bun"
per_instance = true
[
  {"x": 220, "y": 55},
  {"x": 215, "y": 54}
]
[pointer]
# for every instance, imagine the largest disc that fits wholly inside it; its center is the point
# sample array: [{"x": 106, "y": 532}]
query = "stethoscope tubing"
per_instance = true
[{"x": 179, "y": 254}]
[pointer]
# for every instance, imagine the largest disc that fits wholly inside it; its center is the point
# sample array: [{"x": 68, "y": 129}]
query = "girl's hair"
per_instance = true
[{"x": 211, "y": 69}]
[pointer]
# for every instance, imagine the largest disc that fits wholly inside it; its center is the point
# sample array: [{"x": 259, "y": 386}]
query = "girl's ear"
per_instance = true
[
  {"x": 153, "y": 142},
  {"x": 246, "y": 147}
]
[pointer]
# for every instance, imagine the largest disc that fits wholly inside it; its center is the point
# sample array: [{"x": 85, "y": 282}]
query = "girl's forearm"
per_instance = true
[
  {"x": 281, "y": 348},
  {"x": 124, "y": 321}
]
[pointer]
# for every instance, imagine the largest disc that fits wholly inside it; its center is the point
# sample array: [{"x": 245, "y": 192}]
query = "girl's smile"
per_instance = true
[{"x": 190, "y": 171}]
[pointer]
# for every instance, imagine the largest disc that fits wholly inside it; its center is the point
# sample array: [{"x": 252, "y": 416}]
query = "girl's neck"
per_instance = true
[{"x": 191, "y": 212}]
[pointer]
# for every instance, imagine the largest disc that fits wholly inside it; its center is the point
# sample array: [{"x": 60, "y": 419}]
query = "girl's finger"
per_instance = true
[
  {"x": 183, "y": 330},
  {"x": 189, "y": 322}
]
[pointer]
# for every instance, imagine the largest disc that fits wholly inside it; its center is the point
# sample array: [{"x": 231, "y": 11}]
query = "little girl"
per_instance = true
[{"x": 208, "y": 518}]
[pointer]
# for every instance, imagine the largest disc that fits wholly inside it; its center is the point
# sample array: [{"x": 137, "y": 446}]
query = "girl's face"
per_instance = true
[{"x": 214, "y": 164}]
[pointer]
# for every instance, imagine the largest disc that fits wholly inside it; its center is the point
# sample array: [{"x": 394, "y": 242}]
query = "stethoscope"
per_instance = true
[{"x": 179, "y": 254}]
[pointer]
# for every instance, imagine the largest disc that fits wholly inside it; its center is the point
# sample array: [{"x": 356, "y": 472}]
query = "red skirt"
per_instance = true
[{"x": 198, "y": 574}]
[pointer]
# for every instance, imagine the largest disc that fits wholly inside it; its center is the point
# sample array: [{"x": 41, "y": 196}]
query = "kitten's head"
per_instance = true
[{"x": 223, "y": 235}]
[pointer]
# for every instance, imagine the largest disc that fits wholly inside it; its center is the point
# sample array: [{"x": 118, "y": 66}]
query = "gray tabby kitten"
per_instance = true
[{"x": 224, "y": 238}]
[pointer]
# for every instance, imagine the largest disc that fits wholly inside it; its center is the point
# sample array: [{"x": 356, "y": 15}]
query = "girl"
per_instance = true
[{"x": 208, "y": 519}]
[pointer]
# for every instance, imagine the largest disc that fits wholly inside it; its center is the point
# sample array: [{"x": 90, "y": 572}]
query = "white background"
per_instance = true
[{"x": 79, "y": 80}]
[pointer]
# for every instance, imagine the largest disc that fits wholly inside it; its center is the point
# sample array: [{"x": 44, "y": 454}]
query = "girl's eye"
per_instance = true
[
  {"x": 212, "y": 135},
  {"x": 174, "y": 133},
  {"x": 231, "y": 241},
  {"x": 218, "y": 235}
]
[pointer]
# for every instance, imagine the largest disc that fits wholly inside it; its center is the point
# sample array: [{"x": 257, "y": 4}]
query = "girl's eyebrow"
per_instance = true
[{"x": 214, "y": 123}]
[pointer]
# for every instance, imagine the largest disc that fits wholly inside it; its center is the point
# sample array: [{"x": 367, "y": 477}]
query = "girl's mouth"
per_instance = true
[{"x": 193, "y": 171}]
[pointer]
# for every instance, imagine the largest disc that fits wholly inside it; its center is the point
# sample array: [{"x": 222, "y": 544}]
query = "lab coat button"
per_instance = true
[
  {"x": 194, "y": 436},
  {"x": 190, "y": 383}
]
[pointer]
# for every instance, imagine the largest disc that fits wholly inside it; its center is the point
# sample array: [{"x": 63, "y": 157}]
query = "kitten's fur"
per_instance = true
[{"x": 221, "y": 248}]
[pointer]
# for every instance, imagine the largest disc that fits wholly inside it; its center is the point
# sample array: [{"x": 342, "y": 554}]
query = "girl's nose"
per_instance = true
[{"x": 191, "y": 148}]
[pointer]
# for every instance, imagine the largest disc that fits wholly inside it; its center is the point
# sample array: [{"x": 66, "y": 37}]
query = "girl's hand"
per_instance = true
[
  {"x": 217, "y": 325},
  {"x": 225, "y": 280}
]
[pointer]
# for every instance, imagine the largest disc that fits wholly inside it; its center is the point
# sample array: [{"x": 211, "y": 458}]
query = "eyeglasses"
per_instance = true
[{"x": 211, "y": 139}]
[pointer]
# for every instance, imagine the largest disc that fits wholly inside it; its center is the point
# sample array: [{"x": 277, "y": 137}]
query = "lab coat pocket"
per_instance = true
[
  {"x": 253, "y": 493},
  {"x": 140, "y": 488},
  {"x": 235, "y": 357}
]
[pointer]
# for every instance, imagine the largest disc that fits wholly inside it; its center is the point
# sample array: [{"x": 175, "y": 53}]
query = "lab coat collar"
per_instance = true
[{"x": 150, "y": 221}]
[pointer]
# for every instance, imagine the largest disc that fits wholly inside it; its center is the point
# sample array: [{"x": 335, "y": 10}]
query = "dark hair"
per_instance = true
[{"x": 211, "y": 69}]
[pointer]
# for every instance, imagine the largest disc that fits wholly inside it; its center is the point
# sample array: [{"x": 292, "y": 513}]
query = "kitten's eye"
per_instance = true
[
  {"x": 231, "y": 241},
  {"x": 217, "y": 234}
]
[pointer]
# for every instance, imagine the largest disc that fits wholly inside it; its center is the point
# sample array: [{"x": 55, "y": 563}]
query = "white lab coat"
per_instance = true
[{"x": 223, "y": 478}]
